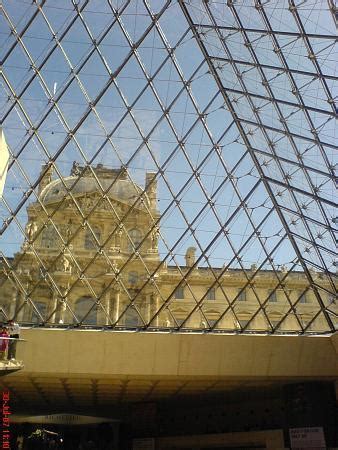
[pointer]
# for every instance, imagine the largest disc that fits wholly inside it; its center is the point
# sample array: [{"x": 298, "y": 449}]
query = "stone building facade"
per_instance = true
[{"x": 91, "y": 257}]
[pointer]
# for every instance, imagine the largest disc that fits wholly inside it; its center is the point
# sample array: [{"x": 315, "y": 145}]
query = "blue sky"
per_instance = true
[{"x": 127, "y": 132}]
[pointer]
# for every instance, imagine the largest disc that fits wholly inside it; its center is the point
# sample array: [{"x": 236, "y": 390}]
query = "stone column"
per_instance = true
[
  {"x": 62, "y": 304},
  {"x": 157, "y": 305},
  {"x": 117, "y": 304},
  {"x": 62, "y": 307},
  {"x": 28, "y": 309},
  {"x": 102, "y": 318},
  {"x": 53, "y": 307},
  {"x": 107, "y": 307},
  {"x": 148, "y": 307},
  {"x": 168, "y": 319}
]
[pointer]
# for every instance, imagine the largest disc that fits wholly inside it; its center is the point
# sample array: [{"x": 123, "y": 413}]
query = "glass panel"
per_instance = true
[{"x": 217, "y": 174}]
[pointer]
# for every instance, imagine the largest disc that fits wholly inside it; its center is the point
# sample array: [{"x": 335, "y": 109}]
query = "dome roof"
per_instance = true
[{"x": 122, "y": 190}]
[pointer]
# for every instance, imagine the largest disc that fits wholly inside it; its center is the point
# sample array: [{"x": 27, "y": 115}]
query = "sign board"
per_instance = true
[
  {"x": 144, "y": 444},
  {"x": 61, "y": 419},
  {"x": 307, "y": 438}
]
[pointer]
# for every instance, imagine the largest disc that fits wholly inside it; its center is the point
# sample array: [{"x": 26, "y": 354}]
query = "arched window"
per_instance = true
[
  {"x": 241, "y": 295},
  {"x": 82, "y": 306},
  {"x": 90, "y": 242},
  {"x": 49, "y": 237},
  {"x": 132, "y": 318},
  {"x": 135, "y": 236},
  {"x": 272, "y": 296}
]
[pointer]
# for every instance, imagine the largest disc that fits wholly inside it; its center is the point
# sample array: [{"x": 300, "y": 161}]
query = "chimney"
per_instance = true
[{"x": 190, "y": 257}]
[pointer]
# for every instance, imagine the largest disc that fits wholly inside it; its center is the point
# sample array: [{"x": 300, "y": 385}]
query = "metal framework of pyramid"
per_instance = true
[{"x": 232, "y": 105}]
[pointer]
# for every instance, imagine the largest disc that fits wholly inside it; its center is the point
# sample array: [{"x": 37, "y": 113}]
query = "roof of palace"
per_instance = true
[{"x": 113, "y": 182}]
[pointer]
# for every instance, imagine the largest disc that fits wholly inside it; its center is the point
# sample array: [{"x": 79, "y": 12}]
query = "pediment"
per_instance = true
[
  {"x": 180, "y": 311},
  {"x": 275, "y": 314},
  {"x": 211, "y": 311},
  {"x": 244, "y": 312}
]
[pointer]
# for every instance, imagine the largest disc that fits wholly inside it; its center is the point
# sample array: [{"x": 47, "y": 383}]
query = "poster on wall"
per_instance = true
[
  {"x": 307, "y": 438},
  {"x": 144, "y": 444}
]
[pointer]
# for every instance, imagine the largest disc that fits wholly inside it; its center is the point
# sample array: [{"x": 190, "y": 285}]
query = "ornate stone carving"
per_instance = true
[
  {"x": 118, "y": 237},
  {"x": 69, "y": 229},
  {"x": 31, "y": 229},
  {"x": 75, "y": 169},
  {"x": 154, "y": 239},
  {"x": 64, "y": 264}
]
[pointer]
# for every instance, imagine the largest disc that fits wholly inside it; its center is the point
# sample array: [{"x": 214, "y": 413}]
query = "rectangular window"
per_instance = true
[
  {"x": 302, "y": 298},
  {"x": 179, "y": 293},
  {"x": 211, "y": 295},
  {"x": 272, "y": 296},
  {"x": 241, "y": 295}
]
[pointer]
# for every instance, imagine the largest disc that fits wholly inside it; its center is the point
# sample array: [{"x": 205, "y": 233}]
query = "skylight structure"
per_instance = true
[{"x": 172, "y": 164}]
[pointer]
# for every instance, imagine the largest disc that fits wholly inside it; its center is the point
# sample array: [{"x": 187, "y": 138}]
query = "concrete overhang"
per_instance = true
[{"x": 78, "y": 369}]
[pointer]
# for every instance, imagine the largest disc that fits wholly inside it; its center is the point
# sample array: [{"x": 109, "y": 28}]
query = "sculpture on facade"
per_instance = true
[
  {"x": 154, "y": 239},
  {"x": 64, "y": 264},
  {"x": 75, "y": 169},
  {"x": 31, "y": 229}
]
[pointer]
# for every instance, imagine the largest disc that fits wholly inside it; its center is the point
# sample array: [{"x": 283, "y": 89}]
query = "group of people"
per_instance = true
[
  {"x": 66, "y": 439},
  {"x": 9, "y": 335}
]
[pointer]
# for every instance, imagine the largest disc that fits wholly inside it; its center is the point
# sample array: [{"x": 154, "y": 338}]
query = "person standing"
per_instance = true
[
  {"x": 19, "y": 442},
  {"x": 3, "y": 343},
  {"x": 14, "y": 334}
]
